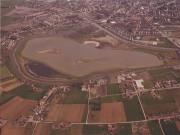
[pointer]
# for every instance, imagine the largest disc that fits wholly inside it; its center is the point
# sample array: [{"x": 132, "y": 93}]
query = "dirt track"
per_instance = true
[
  {"x": 16, "y": 107},
  {"x": 66, "y": 113},
  {"x": 110, "y": 112}
]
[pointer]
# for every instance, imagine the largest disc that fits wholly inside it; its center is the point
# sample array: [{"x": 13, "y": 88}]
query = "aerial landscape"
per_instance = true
[{"x": 90, "y": 67}]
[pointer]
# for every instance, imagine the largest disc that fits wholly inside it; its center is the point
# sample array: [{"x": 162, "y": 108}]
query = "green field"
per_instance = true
[
  {"x": 7, "y": 20},
  {"x": 132, "y": 107},
  {"x": 155, "y": 51},
  {"x": 3, "y": 71},
  {"x": 113, "y": 89},
  {"x": 94, "y": 130},
  {"x": 164, "y": 42},
  {"x": 169, "y": 127},
  {"x": 26, "y": 92},
  {"x": 162, "y": 74},
  {"x": 7, "y": 79},
  {"x": 123, "y": 129},
  {"x": 60, "y": 132},
  {"x": 9, "y": 84},
  {"x": 84, "y": 117},
  {"x": 5, "y": 10},
  {"x": 5, "y": 97},
  {"x": 76, "y": 97},
  {"x": 148, "y": 84},
  {"x": 23, "y": 91},
  {"x": 148, "y": 99},
  {"x": 160, "y": 108},
  {"x": 109, "y": 99},
  {"x": 154, "y": 127},
  {"x": 167, "y": 103},
  {"x": 10, "y": 67}
]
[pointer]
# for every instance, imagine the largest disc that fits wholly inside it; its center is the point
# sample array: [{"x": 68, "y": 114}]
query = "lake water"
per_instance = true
[{"x": 79, "y": 60}]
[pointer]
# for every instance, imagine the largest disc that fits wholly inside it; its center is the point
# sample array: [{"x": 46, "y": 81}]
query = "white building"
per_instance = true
[{"x": 139, "y": 83}]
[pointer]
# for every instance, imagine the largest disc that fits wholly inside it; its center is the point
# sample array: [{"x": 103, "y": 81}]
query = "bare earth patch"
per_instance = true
[
  {"x": 11, "y": 129},
  {"x": 110, "y": 112},
  {"x": 16, "y": 108},
  {"x": 108, "y": 39},
  {"x": 66, "y": 113},
  {"x": 43, "y": 129}
]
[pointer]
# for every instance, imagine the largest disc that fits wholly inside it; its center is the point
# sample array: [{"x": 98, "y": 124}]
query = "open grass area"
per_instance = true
[
  {"x": 44, "y": 87},
  {"x": 9, "y": 84},
  {"x": 169, "y": 127},
  {"x": 5, "y": 97},
  {"x": 14, "y": 2},
  {"x": 83, "y": 33},
  {"x": 148, "y": 84},
  {"x": 6, "y": 20},
  {"x": 10, "y": 67},
  {"x": 7, "y": 79},
  {"x": 113, "y": 89},
  {"x": 4, "y": 71},
  {"x": 155, "y": 51},
  {"x": 94, "y": 129},
  {"x": 27, "y": 92},
  {"x": 133, "y": 109},
  {"x": 76, "y": 97},
  {"x": 109, "y": 99},
  {"x": 172, "y": 28},
  {"x": 149, "y": 38},
  {"x": 76, "y": 86},
  {"x": 162, "y": 74},
  {"x": 154, "y": 127},
  {"x": 23, "y": 91},
  {"x": 148, "y": 99},
  {"x": 165, "y": 43},
  {"x": 84, "y": 117},
  {"x": 5, "y": 10},
  {"x": 160, "y": 108},
  {"x": 123, "y": 129},
  {"x": 60, "y": 132},
  {"x": 166, "y": 104}
]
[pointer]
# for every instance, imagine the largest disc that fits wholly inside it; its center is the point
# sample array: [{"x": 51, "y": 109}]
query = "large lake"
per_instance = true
[{"x": 77, "y": 59}]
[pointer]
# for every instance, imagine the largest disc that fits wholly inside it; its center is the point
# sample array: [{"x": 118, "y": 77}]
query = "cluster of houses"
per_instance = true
[
  {"x": 176, "y": 67},
  {"x": 140, "y": 128},
  {"x": 169, "y": 83},
  {"x": 2, "y": 122},
  {"x": 61, "y": 125},
  {"x": 165, "y": 115}
]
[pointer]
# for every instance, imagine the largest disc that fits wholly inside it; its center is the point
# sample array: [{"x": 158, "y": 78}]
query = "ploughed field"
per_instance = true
[
  {"x": 71, "y": 57},
  {"x": 16, "y": 107},
  {"x": 66, "y": 113},
  {"x": 110, "y": 112}
]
